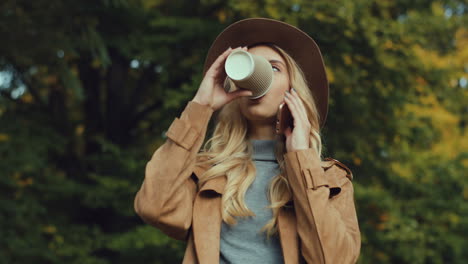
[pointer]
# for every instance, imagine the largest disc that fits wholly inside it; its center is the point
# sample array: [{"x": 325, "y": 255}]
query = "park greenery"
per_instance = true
[{"x": 89, "y": 88}]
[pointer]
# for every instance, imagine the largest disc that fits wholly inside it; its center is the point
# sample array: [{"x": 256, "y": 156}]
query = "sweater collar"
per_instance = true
[{"x": 263, "y": 149}]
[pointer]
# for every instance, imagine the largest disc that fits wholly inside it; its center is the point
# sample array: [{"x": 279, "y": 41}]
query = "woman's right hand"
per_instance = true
[{"x": 211, "y": 91}]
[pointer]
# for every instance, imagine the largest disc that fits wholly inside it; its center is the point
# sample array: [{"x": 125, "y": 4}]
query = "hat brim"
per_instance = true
[{"x": 300, "y": 46}]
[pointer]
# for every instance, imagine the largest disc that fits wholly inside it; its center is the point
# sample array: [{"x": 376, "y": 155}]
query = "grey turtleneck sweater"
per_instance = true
[{"x": 243, "y": 243}]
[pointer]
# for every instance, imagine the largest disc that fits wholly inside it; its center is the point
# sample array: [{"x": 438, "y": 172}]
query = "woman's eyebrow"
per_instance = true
[{"x": 277, "y": 61}]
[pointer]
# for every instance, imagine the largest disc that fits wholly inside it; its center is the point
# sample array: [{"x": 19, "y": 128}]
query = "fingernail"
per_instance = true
[{"x": 294, "y": 90}]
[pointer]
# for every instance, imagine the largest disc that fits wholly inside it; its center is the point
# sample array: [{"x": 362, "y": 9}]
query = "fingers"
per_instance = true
[
  {"x": 288, "y": 132},
  {"x": 215, "y": 67},
  {"x": 292, "y": 107},
  {"x": 297, "y": 108},
  {"x": 301, "y": 105},
  {"x": 238, "y": 93}
]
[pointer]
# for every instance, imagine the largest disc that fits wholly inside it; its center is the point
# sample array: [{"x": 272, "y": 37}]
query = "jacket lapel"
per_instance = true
[
  {"x": 207, "y": 220},
  {"x": 288, "y": 235},
  {"x": 287, "y": 225}
]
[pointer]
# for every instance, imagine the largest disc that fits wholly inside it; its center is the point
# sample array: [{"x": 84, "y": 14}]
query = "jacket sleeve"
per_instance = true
[
  {"x": 166, "y": 196},
  {"x": 327, "y": 227}
]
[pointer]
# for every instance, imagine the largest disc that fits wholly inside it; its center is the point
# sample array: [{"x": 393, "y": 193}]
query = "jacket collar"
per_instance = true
[{"x": 217, "y": 184}]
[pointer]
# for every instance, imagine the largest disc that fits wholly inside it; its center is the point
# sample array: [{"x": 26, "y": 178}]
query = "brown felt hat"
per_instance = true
[{"x": 300, "y": 46}]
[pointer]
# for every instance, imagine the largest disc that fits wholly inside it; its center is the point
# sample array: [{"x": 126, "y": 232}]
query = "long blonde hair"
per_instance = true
[{"x": 229, "y": 152}]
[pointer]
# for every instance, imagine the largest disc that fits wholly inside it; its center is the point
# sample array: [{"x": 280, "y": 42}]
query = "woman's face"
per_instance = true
[{"x": 265, "y": 108}]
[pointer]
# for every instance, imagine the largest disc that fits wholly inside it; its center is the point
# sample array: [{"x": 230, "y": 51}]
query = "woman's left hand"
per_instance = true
[{"x": 297, "y": 138}]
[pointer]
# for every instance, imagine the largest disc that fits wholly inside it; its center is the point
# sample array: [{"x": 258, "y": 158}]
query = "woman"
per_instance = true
[{"x": 250, "y": 195}]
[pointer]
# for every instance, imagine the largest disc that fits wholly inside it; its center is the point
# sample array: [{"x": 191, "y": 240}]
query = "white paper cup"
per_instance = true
[{"x": 250, "y": 72}]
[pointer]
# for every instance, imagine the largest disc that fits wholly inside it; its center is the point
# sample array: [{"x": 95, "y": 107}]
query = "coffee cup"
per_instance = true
[{"x": 249, "y": 71}]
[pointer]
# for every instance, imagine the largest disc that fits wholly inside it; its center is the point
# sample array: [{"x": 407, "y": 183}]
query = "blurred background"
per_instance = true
[{"x": 88, "y": 89}]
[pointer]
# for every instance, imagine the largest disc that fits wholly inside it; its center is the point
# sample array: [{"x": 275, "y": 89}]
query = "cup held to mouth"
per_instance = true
[{"x": 250, "y": 72}]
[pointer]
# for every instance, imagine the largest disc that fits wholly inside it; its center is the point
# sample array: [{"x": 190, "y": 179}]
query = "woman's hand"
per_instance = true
[
  {"x": 298, "y": 138},
  {"x": 211, "y": 91}
]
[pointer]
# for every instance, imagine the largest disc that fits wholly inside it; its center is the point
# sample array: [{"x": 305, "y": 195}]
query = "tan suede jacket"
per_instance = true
[{"x": 319, "y": 226}]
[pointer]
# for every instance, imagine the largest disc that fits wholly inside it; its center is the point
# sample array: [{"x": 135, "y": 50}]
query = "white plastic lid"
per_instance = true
[{"x": 238, "y": 65}]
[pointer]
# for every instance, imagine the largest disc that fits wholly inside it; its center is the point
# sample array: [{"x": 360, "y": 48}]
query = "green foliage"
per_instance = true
[{"x": 87, "y": 91}]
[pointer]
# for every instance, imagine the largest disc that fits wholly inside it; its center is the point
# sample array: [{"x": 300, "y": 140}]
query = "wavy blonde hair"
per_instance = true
[{"x": 228, "y": 152}]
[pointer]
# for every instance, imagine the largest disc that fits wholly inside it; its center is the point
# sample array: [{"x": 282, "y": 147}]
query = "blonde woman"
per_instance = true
[{"x": 251, "y": 195}]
